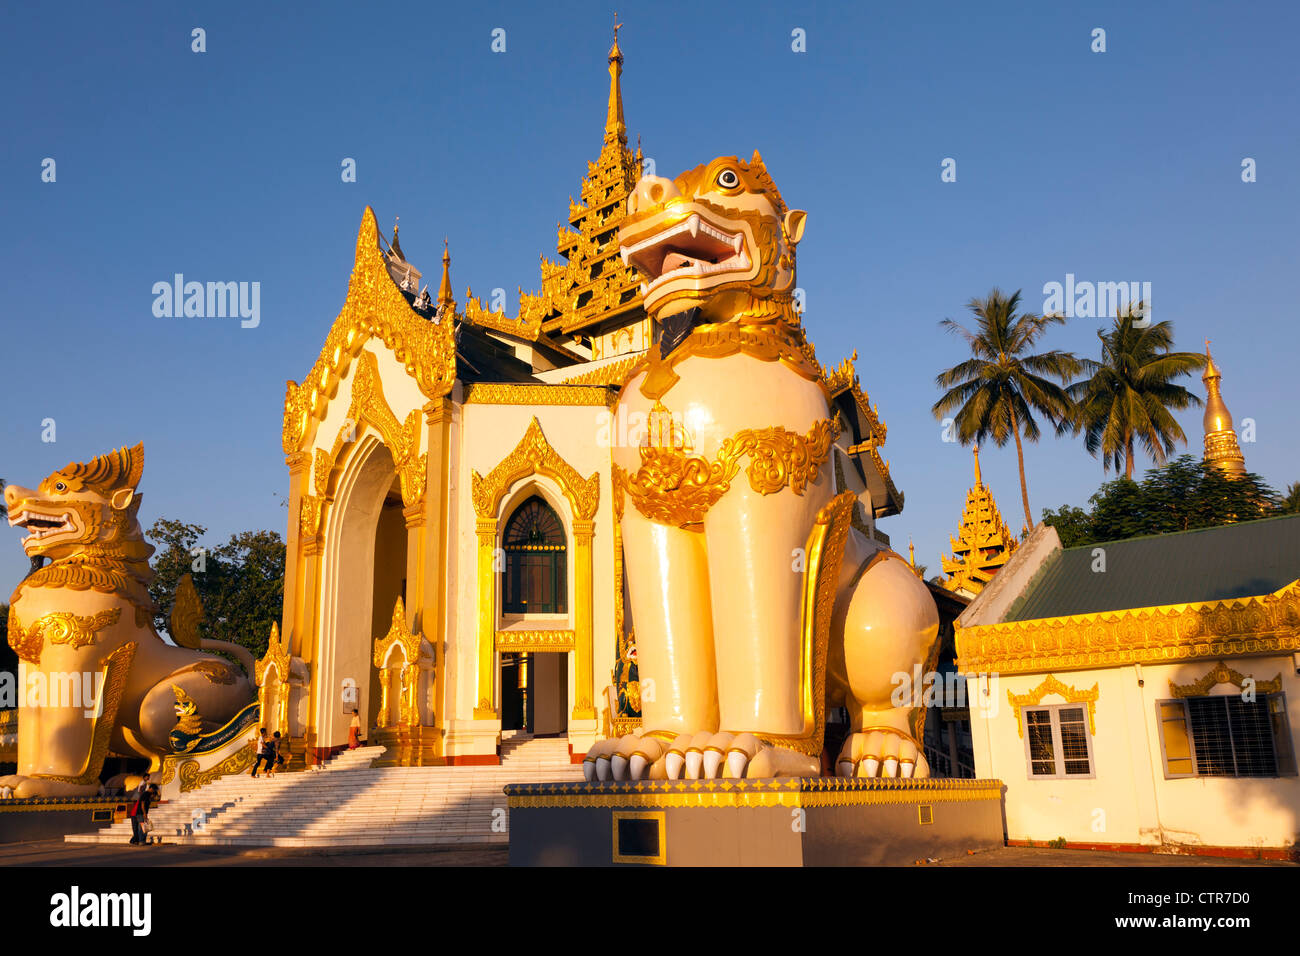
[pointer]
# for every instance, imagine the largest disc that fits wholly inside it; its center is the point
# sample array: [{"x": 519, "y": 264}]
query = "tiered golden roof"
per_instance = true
[
  {"x": 1221, "y": 448},
  {"x": 983, "y": 542}
]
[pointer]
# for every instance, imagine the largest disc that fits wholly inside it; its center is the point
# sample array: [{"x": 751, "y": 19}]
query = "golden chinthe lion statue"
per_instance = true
[
  {"x": 758, "y": 602},
  {"x": 96, "y": 679}
]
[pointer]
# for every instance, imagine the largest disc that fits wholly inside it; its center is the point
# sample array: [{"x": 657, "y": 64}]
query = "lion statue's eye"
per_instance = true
[
  {"x": 728, "y": 179},
  {"x": 60, "y": 486}
]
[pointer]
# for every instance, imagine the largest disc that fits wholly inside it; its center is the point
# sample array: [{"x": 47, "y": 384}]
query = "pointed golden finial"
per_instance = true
[
  {"x": 445, "y": 297},
  {"x": 615, "y": 129},
  {"x": 1221, "y": 448},
  {"x": 911, "y": 553},
  {"x": 978, "y": 478}
]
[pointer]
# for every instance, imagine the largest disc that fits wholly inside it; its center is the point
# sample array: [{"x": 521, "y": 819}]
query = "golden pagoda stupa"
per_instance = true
[
  {"x": 1221, "y": 448},
  {"x": 983, "y": 542}
]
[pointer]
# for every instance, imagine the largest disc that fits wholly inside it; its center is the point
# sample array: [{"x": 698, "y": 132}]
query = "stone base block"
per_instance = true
[{"x": 780, "y": 822}]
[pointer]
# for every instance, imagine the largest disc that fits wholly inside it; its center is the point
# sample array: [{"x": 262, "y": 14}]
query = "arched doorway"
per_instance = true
[
  {"x": 364, "y": 574},
  {"x": 534, "y": 591}
]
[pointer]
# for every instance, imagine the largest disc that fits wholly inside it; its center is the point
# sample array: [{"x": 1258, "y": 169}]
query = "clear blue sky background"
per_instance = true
[{"x": 225, "y": 166}]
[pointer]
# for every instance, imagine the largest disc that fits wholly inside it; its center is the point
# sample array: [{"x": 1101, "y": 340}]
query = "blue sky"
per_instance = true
[{"x": 224, "y": 166}]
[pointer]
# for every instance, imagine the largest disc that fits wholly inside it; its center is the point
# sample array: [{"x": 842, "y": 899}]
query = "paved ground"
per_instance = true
[
  {"x": 1044, "y": 856},
  {"x": 58, "y": 853}
]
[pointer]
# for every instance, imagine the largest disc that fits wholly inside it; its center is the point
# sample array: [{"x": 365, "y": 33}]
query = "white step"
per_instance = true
[{"x": 349, "y": 803}]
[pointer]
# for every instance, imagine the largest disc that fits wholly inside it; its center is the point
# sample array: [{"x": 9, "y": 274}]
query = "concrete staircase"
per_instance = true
[{"x": 349, "y": 803}]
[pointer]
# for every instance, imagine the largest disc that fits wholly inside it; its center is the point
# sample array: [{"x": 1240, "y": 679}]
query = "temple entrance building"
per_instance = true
[{"x": 455, "y": 563}]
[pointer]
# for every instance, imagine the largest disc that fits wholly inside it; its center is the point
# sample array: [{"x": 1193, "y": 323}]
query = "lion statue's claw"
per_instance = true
[{"x": 705, "y": 755}]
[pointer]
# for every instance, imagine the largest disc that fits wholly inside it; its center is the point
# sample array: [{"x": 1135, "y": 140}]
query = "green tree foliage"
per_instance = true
[
  {"x": 241, "y": 583},
  {"x": 1127, "y": 399},
  {"x": 996, "y": 393},
  {"x": 1291, "y": 501},
  {"x": 1185, "y": 493}
]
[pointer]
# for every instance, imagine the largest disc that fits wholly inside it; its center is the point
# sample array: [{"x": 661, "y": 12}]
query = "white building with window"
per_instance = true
[{"x": 1142, "y": 694}]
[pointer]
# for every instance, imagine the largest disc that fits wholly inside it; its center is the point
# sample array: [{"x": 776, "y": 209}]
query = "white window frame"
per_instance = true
[{"x": 1058, "y": 750}]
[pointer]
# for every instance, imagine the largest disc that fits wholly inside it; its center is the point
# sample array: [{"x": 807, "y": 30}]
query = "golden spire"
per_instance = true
[
  {"x": 445, "y": 298},
  {"x": 983, "y": 542},
  {"x": 1221, "y": 448},
  {"x": 615, "y": 130}
]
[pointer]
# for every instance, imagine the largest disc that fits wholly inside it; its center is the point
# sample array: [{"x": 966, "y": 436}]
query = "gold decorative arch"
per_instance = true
[
  {"x": 534, "y": 455},
  {"x": 374, "y": 309},
  {"x": 399, "y": 636},
  {"x": 368, "y": 406},
  {"x": 1221, "y": 673},
  {"x": 1051, "y": 685}
]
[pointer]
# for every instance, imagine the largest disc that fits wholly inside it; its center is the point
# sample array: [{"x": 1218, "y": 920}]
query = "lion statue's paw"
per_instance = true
[
  {"x": 881, "y": 752},
  {"x": 706, "y": 755},
  {"x": 20, "y": 787}
]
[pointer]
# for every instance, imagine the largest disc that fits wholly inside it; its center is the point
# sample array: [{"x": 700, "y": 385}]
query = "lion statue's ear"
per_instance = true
[
  {"x": 121, "y": 498},
  {"x": 795, "y": 220}
]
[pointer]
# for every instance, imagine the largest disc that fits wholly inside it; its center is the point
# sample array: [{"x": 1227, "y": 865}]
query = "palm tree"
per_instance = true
[
  {"x": 1130, "y": 393},
  {"x": 996, "y": 392},
  {"x": 1291, "y": 501}
]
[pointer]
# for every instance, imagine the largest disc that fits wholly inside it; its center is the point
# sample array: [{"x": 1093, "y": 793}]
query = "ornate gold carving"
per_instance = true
[
  {"x": 1221, "y": 673},
  {"x": 825, "y": 551},
  {"x": 214, "y": 672},
  {"x": 187, "y": 614},
  {"x": 187, "y": 713},
  {"x": 507, "y": 393},
  {"x": 767, "y": 343},
  {"x": 778, "y": 792},
  {"x": 115, "y": 668},
  {"x": 58, "y": 627},
  {"x": 309, "y": 515},
  {"x": 368, "y": 406},
  {"x": 277, "y": 656},
  {"x": 1051, "y": 685},
  {"x": 374, "y": 308},
  {"x": 399, "y": 634},
  {"x": 192, "y": 777},
  {"x": 532, "y": 455},
  {"x": 674, "y": 488},
  {"x": 614, "y": 374},
  {"x": 1267, "y": 624},
  {"x": 534, "y": 640}
]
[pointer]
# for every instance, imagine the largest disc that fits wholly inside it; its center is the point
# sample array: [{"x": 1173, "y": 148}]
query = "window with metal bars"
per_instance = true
[
  {"x": 536, "y": 561},
  {"x": 1058, "y": 742},
  {"x": 1226, "y": 736}
]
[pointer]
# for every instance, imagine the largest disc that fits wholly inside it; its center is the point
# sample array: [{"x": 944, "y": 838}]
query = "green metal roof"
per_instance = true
[{"x": 1210, "y": 564}]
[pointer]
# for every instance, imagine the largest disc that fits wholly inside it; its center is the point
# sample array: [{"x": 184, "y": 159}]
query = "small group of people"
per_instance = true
[
  {"x": 142, "y": 797},
  {"x": 271, "y": 751}
]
